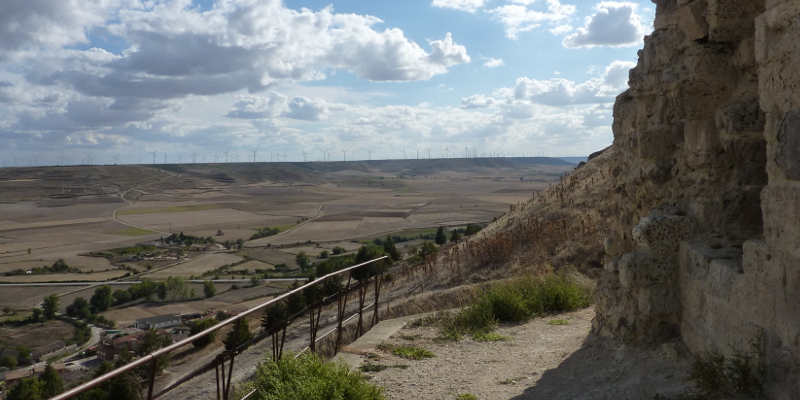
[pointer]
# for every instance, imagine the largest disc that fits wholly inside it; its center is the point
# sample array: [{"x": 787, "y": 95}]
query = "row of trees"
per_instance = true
[{"x": 47, "y": 385}]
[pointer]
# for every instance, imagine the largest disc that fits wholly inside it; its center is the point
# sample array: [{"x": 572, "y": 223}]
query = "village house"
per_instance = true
[
  {"x": 157, "y": 322},
  {"x": 110, "y": 349}
]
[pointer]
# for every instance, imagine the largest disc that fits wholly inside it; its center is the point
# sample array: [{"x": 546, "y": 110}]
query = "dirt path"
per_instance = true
[
  {"x": 538, "y": 361},
  {"x": 130, "y": 203}
]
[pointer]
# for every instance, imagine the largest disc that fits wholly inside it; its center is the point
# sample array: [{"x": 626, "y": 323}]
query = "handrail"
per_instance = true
[{"x": 151, "y": 357}]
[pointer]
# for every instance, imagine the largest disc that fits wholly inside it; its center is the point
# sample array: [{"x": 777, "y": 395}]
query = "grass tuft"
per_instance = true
[
  {"x": 558, "y": 322},
  {"x": 466, "y": 396},
  {"x": 489, "y": 337},
  {"x": 407, "y": 352},
  {"x": 309, "y": 377},
  {"x": 516, "y": 301}
]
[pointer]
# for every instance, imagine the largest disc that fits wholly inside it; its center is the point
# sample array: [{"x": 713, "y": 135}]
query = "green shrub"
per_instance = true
[
  {"x": 489, "y": 337},
  {"x": 558, "y": 322},
  {"x": 516, "y": 301},
  {"x": 407, "y": 352},
  {"x": 716, "y": 376},
  {"x": 309, "y": 377}
]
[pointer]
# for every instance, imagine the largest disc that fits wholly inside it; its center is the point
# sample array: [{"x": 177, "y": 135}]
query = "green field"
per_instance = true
[{"x": 196, "y": 207}]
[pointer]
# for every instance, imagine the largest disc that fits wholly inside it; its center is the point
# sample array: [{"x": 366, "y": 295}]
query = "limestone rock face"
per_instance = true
[{"x": 707, "y": 184}]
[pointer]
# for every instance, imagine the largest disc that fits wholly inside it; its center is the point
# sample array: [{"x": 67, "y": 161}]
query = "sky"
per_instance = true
[{"x": 143, "y": 81}]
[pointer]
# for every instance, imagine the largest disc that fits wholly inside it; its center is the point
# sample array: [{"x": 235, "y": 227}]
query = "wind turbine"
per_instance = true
[
  {"x": 15, "y": 159},
  {"x": 285, "y": 156},
  {"x": 417, "y": 149},
  {"x": 344, "y": 153},
  {"x": 446, "y": 154},
  {"x": 429, "y": 152},
  {"x": 369, "y": 154},
  {"x": 116, "y": 159},
  {"x": 180, "y": 158},
  {"x": 304, "y": 155},
  {"x": 404, "y": 153},
  {"x": 36, "y": 162},
  {"x": 204, "y": 158},
  {"x": 236, "y": 152},
  {"x": 69, "y": 160},
  {"x": 89, "y": 158},
  {"x": 194, "y": 157},
  {"x": 216, "y": 158},
  {"x": 255, "y": 154},
  {"x": 154, "y": 157},
  {"x": 226, "y": 155},
  {"x": 474, "y": 153},
  {"x": 61, "y": 157},
  {"x": 165, "y": 158}
]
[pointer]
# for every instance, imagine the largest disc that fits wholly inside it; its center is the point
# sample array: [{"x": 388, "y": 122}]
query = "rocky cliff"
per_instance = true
[{"x": 706, "y": 176}]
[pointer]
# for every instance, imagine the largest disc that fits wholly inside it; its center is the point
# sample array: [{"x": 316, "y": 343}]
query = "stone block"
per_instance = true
[
  {"x": 702, "y": 143},
  {"x": 692, "y": 19},
  {"x": 659, "y": 301},
  {"x": 788, "y": 149},
  {"x": 640, "y": 269},
  {"x": 740, "y": 117},
  {"x": 732, "y": 20},
  {"x": 721, "y": 275},
  {"x": 661, "y": 234},
  {"x": 781, "y": 205},
  {"x": 660, "y": 141}
]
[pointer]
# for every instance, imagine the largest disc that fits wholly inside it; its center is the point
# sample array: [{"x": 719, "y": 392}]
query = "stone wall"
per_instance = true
[{"x": 707, "y": 244}]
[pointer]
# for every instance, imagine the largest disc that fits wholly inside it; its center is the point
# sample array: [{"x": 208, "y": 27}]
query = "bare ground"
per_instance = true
[{"x": 539, "y": 361}]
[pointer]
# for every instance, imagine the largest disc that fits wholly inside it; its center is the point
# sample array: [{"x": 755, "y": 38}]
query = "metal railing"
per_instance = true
[{"x": 224, "y": 384}]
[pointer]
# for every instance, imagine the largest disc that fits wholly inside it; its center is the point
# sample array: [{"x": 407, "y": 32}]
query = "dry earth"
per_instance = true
[{"x": 539, "y": 361}]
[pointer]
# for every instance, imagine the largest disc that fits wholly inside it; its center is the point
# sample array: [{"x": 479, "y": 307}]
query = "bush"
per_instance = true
[
  {"x": 716, "y": 376},
  {"x": 517, "y": 301},
  {"x": 309, "y": 377}
]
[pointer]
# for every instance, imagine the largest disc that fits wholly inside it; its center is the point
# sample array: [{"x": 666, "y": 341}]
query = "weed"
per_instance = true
[
  {"x": 716, "y": 376},
  {"x": 309, "y": 377},
  {"x": 373, "y": 368},
  {"x": 407, "y": 352},
  {"x": 410, "y": 337},
  {"x": 489, "y": 337},
  {"x": 513, "y": 381},
  {"x": 466, "y": 396},
  {"x": 558, "y": 322}
]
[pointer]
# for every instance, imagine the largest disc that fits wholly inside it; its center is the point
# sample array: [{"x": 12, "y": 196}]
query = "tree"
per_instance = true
[
  {"x": 302, "y": 260},
  {"x": 239, "y": 243},
  {"x": 275, "y": 315},
  {"x": 37, "y": 314},
  {"x": 455, "y": 236},
  {"x": 391, "y": 250},
  {"x": 26, "y": 389},
  {"x": 50, "y": 382},
  {"x": 174, "y": 289},
  {"x": 209, "y": 289},
  {"x": 441, "y": 236},
  {"x": 337, "y": 250},
  {"x": 81, "y": 307},
  {"x": 238, "y": 335},
  {"x": 323, "y": 254},
  {"x": 222, "y": 315},
  {"x": 7, "y": 310},
  {"x": 122, "y": 296},
  {"x": 200, "y": 326},
  {"x": 50, "y": 307},
  {"x": 102, "y": 298},
  {"x": 254, "y": 280},
  {"x": 472, "y": 229},
  {"x": 427, "y": 249},
  {"x": 9, "y": 362},
  {"x": 367, "y": 253}
]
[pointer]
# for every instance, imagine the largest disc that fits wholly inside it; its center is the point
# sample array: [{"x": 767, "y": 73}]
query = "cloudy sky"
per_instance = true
[{"x": 183, "y": 77}]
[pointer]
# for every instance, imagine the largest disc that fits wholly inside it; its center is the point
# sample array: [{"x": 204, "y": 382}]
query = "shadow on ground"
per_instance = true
[{"x": 603, "y": 369}]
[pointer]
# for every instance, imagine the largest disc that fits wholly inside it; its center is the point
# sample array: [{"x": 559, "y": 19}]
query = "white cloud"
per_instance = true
[
  {"x": 561, "y": 92},
  {"x": 477, "y": 101},
  {"x": 46, "y": 23},
  {"x": 494, "y": 62},
  {"x": 278, "y": 105},
  {"x": 518, "y": 18},
  {"x": 462, "y": 5},
  {"x": 561, "y": 29},
  {"x": 615, "y": 24}
]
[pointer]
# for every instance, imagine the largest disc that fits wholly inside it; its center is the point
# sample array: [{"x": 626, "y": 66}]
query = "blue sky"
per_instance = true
[{"x": 127, "y": 78}]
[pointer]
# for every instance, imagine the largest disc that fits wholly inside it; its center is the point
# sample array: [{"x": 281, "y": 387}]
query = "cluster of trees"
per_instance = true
[
  {"x": 234, "y": 244},
  {"x": 89, "y": 310},
  {"x": 187, "y": 240},
  {"x": 456, "y": 234},
  {"x": 264, "y": 232},
  {"x": 47, "y": 385},
  {"x": 58, "y": 267}
]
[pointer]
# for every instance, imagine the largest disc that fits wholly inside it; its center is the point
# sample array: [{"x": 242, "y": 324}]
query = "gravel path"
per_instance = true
[{"x": 539, "y": 361}]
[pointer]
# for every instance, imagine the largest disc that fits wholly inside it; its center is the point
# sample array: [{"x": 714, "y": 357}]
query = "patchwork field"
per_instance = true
[{"x": 69, "y": 213}]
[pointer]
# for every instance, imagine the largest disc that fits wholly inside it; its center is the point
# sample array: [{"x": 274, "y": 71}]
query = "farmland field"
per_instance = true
[{"x": 45, "y": 217}]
